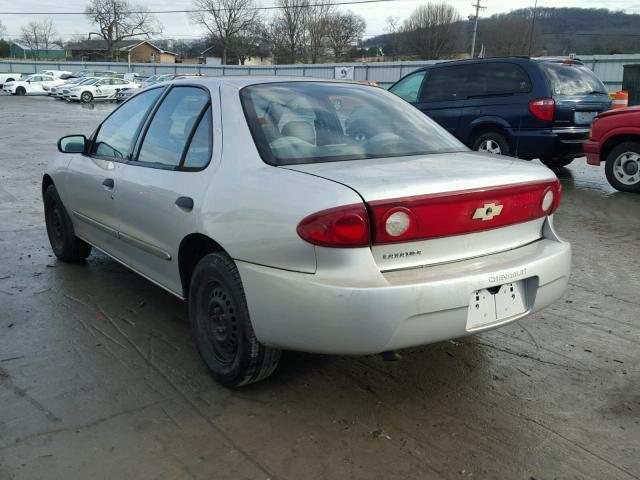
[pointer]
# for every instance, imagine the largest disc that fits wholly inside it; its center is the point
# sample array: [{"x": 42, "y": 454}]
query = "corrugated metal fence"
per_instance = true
[{"x": 609, "y": 68}]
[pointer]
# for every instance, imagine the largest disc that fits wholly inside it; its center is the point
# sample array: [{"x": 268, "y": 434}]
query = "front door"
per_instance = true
[{"x": 160, "y": 188}]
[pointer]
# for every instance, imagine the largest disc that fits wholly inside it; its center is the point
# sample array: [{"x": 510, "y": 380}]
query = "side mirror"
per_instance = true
[
  {"x": 28, "y": 81},
  {"x": 72, "y": 144}
]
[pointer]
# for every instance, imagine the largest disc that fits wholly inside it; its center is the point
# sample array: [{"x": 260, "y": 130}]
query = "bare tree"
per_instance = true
[
  {"x": 317, "y": 22},
  {"x": 225, "y": 20},
  {"x": 508, "y": 36},
  {"x": 287, "y": 29},
  {"x": 38, "y": 36},
  {"x": 118, "y": 20},
  {"x": 430, "y": 31},
  {"x": 344, "y": 30}
]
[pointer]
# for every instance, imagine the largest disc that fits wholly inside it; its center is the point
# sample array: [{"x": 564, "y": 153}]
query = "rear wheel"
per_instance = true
[
  {"x": 220, "y": 321},
  {"x": 20, "y": 91},
  {"x": 554, "y": 163},
  {"x": 623, "y": 167},
  {"x": 86, "y": 97},
  {"x": 492, "y": 142},
  {"x": 64, "y": 243}
]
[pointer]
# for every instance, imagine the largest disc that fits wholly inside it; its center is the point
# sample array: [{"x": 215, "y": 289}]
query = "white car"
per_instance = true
[
  {"x": 9, "y": 77},
  {"x": 64, "y": 91},
  {"x": 56, "y": 90},
  {"x": 104, "y": 88},
  {"x": 55, "y": 73},
  {"x": 291, "y": 216},
  {"x": 32, "y": 85}
]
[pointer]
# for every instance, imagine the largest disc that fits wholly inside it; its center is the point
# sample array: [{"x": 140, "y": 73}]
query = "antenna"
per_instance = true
[{"x": 478, "y": 7}]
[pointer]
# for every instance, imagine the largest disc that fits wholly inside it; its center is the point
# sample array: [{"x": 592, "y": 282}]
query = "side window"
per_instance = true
[
  {"x": 199, "y": 151},
  {"x": 36, "y": 78},
  {"x": 169, "y": 130},
  {"x": 116, "y": 134},
  {"x": 409, "y": 88},
  {"x": 498, "y": 79},
  {"x": 446, "y": 84}
]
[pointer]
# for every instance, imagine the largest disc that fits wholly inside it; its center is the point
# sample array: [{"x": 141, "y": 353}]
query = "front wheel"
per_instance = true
[
  {"x": 492, "y": 142},
  {"x": 86, "y": 97},
  {"x": 622, "y": 167},
  {"x": 21, "y": 91},
  {"x": 64, "y": 243},
  {"x": 222, "y": 327}
]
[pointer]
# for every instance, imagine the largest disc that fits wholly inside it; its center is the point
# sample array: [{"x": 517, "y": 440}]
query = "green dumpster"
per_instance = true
[{"x": 631, "y": 83}]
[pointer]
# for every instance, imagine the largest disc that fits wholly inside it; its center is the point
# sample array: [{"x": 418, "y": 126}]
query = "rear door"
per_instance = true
[
  {"x": 578, "y": 93},
  {"x": 443, "y": 95},
  {"x": 160, "y": 188}
]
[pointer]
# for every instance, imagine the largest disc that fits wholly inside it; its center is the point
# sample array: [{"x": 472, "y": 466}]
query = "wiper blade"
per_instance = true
[{"x": 597, "y": 92}]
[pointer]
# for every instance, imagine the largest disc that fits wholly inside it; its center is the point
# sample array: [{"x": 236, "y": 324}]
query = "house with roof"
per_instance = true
[
  {"x": 19, "y": 50},
  {"x": 134, "y": 51}
]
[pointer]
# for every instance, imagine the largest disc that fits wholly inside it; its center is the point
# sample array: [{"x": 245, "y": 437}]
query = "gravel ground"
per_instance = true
[{"x": 100, "y": 378}]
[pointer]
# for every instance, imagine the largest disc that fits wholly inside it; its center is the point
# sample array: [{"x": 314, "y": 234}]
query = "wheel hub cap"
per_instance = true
[
  {"x": 626, "y": 168},
  {"x": 490, "y": 146}
]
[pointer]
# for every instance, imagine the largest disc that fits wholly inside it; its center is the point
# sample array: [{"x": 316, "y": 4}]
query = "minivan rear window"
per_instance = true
[
  {"x": 312, "y": 122},
  {"x": 572, "y": 79}
]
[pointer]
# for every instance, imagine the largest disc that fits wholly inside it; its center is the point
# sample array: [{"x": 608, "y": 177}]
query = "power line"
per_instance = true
[{"x": 158, "y": 12}]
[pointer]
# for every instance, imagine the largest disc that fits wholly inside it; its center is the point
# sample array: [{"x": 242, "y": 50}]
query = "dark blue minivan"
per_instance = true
[{"x": 526, "y": 108}]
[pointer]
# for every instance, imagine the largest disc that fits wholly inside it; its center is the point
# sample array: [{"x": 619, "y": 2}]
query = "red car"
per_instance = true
[{"x": 615, "y": 139}]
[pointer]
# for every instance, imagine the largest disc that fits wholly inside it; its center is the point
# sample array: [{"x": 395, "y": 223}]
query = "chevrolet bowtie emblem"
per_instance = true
[{"x": 487, "y": 211}]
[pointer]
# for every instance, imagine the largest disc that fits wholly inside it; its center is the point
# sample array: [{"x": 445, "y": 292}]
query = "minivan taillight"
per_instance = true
[
  {"x": 543, "y": 108},
  {"x": 340, "y": 227}
]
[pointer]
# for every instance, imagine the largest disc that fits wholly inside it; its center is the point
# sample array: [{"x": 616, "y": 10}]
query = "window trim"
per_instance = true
[
  {"x": 133, "y": 160},
  {"x": 135, "y": 135}
]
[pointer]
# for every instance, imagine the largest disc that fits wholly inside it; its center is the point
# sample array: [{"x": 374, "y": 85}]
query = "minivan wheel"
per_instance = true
[
  {"x": 222, "y": 327},
  {"x": 554, "y": 163},
  {"x": 86, "y": 97},
  {"x": 64, "y": 243},
  {"x": 492, "y": 142},
  {"x": 622, "y": 167}
]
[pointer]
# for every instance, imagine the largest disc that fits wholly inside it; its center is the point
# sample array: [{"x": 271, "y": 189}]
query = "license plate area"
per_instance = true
[
  {"x": 584, "y": 118},
  {"x": 496, "y": 304}
]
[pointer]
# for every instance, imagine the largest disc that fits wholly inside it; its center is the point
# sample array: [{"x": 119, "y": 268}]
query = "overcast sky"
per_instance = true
[{"x": 178, "y": 26}]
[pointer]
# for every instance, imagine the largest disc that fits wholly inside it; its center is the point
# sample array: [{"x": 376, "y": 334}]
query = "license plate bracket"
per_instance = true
[{"x": 487, "y": 306}]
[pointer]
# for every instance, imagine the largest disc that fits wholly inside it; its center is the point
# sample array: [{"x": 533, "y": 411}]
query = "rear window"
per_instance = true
[
  {"x": 309, "y": 122},
  {"x": 572, "y": 79}
]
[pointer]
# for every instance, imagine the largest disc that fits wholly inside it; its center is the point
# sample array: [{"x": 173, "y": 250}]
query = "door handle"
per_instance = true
[
  {"x": 185, "y": 203},
  {"x": 108, "y": 183}
]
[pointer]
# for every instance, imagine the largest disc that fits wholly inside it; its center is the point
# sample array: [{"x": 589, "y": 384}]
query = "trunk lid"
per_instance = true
[{"x": 468, "y": 180}]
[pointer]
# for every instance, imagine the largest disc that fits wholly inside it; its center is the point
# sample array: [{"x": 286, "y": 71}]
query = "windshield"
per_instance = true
[
  {"x": 572, "y": 79},
  {"x": 89, "y": 81},
  {"x": 309, "y": 122}
]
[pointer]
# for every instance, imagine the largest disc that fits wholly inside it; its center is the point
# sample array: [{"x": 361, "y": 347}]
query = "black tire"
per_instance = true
[
  {"x": 622, "y": 167},
  {"x": 20, "y": 91},
  {"x": 64, "y": 243},
  {"x": 220, "y": 322},
  {"x": 496, "y": 139},
  {"x": 555, "y": 163},
  {"x": 86, "y": 97}
]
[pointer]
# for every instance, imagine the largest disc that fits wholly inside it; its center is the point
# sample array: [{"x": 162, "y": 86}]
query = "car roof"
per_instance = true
[
  {"x": 511, "y": 59},
  {"x": 241, "y": 81}
]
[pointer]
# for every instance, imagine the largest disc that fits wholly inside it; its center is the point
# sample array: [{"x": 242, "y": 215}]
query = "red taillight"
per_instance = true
[
  {"x": 543, "y": 108},
  {"x": 461, "y": 212},
  {"x": 340, "y": 227}
]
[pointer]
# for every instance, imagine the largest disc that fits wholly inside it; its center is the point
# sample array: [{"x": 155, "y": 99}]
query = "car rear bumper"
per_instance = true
[
  {"x": 550, "y": 143},
  {"x": 337, "y": 314},
  {"x": 592, "y": 152}
]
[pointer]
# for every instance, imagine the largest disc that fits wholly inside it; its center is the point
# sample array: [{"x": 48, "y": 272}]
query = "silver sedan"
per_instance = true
[{"x": 308, "y": 215}]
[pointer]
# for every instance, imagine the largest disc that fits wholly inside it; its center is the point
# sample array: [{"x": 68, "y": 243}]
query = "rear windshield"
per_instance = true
[
  {"x": 572, "y": 79},
  {"x": 309, "y": 122}
]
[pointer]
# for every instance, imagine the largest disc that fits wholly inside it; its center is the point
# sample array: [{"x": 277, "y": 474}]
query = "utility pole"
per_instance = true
[
  {"x": 478, "y": 7},
  {"x": 533, "y": 26}
]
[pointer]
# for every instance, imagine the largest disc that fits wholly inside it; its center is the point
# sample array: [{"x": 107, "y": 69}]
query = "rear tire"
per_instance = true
[
  {"x": 622, "y": 167},
  {"x": 222, "y": 327},
  {"x": 21, "y": 91},
  {"x": 64, "y": 243},
  {"x": 492, "y": 142},
  {"x": 555, "y": 163}
]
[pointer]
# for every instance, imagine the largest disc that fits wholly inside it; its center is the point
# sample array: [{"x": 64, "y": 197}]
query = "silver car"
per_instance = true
[{"x": 308, "y": 215}]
